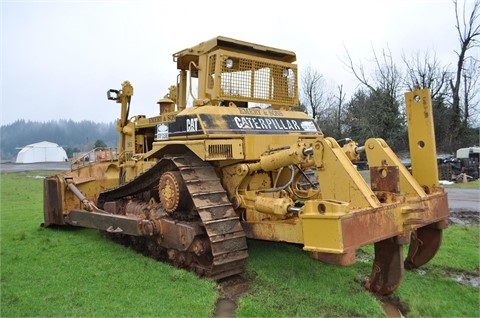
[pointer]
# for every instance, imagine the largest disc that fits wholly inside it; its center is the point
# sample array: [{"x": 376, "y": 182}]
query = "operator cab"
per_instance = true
[{"x": 232, "y": 71}]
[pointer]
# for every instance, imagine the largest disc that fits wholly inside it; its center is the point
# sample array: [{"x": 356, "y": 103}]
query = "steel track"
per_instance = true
[{"x": 227, "y": 239}]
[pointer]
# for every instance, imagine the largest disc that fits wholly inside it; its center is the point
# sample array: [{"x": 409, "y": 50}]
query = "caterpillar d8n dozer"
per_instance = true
[{"x": 191, "y": 184}]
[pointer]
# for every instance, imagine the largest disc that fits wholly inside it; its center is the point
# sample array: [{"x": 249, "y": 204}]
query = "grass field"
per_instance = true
[
  {"x": 468, "y": 185},
  {"x": 76, "y": 272}
]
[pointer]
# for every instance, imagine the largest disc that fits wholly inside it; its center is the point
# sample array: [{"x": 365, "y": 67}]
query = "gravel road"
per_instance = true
[
  {"x": 17, "y": 167},
  {"x": 463, "y": 199}
]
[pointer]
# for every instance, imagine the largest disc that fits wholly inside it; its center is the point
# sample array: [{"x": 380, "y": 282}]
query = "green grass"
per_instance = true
[
  {"x": 468, "y": 185},
  {"x": 76, "y": 272},
  {"x": 441, "y": 296},
  {"x": 289, "y": 283}
]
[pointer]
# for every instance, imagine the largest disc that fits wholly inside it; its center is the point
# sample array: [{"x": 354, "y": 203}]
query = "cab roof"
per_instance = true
[{"x": 184, "y": 57}]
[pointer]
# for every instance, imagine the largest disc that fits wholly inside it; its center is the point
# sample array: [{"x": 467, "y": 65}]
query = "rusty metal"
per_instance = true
[
  {"x": 112, "y": 223},
  {"x": 180, "y": 235},
  {"x": 343, "y": 259},
  {"x": 171, "y": 189},
  {"x": 425, "y": 242},
  {"x": 385, "y": 178},
  {"x": 387, "y": 271},
  {"x": 52, "y": 206}
]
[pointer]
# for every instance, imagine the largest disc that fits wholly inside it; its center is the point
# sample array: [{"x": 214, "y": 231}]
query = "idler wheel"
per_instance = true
[{"x": 172, "y": 191}]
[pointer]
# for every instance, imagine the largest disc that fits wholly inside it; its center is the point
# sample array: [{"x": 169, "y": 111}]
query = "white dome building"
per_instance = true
[{"x": 42, "y": 152}]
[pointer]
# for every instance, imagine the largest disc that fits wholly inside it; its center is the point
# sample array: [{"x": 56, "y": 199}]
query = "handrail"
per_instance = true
[{"x": 86, "y": 158}]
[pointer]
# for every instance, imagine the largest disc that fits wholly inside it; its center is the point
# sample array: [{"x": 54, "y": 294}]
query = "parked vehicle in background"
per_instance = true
[{"x": 464, "y": 166}]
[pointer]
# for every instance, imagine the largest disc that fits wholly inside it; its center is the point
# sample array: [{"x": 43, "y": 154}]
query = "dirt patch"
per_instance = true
[
  {"x": 461, "y": 277},
  {"x": 464, "y": 217},
  {"x": 231, "y": 289},
  {"x": 235, "y": 286},
  {"x": 464, "y": 278},
  {"x": 393, "y": 307},
  {"x": 225, "y": 308}
]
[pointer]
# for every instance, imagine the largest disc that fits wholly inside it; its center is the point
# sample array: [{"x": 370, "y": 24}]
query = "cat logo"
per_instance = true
[{"x": 192, "y": 124}]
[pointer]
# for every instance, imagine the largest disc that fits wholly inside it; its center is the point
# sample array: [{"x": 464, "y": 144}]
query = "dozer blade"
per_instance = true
[
  {"x": 424, "y": 244},
  {"x": 387, "y": 270}
]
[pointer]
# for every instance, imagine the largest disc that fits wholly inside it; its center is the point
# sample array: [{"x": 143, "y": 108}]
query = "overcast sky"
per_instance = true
[{"x": 58, "y": 58}]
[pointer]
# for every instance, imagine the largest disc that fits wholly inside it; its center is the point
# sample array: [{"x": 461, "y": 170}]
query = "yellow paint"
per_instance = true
[
  {"x": 422, "y": 138},
  {"x": 321, "y": 221}
]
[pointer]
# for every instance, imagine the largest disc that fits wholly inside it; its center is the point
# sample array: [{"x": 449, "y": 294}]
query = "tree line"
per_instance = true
[
  {"x": 376, "y": 108},
  {"x": 72, "y": 136}
]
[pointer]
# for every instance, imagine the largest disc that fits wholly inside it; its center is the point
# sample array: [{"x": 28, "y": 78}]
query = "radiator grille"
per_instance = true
[{"x": 220, "y": 151}]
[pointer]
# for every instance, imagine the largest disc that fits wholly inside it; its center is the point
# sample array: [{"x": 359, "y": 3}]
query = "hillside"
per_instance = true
[{"x": 72, "y": 136}]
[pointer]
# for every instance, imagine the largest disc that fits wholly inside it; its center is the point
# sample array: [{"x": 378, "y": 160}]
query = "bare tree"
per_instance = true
[
  {"x": 340, "y": 101},
  {"x": 454, "y": 94},
  {"x": 387, "y": 77},
  {"x": 377, "y": 110},
  {"x": 471, "y": 92},
  {"x": 425, "y": 72},
  {"x": 468, "y": 29},
  {"x": 332, "y": 119},
  {"x": 314, "y": 97}
]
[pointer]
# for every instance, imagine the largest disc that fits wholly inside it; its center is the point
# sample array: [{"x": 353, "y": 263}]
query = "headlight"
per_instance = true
[{"x": 228, "y": 63}]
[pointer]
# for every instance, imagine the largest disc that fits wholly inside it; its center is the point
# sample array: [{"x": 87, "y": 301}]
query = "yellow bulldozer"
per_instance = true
[{"x": 229, "y": 156}]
